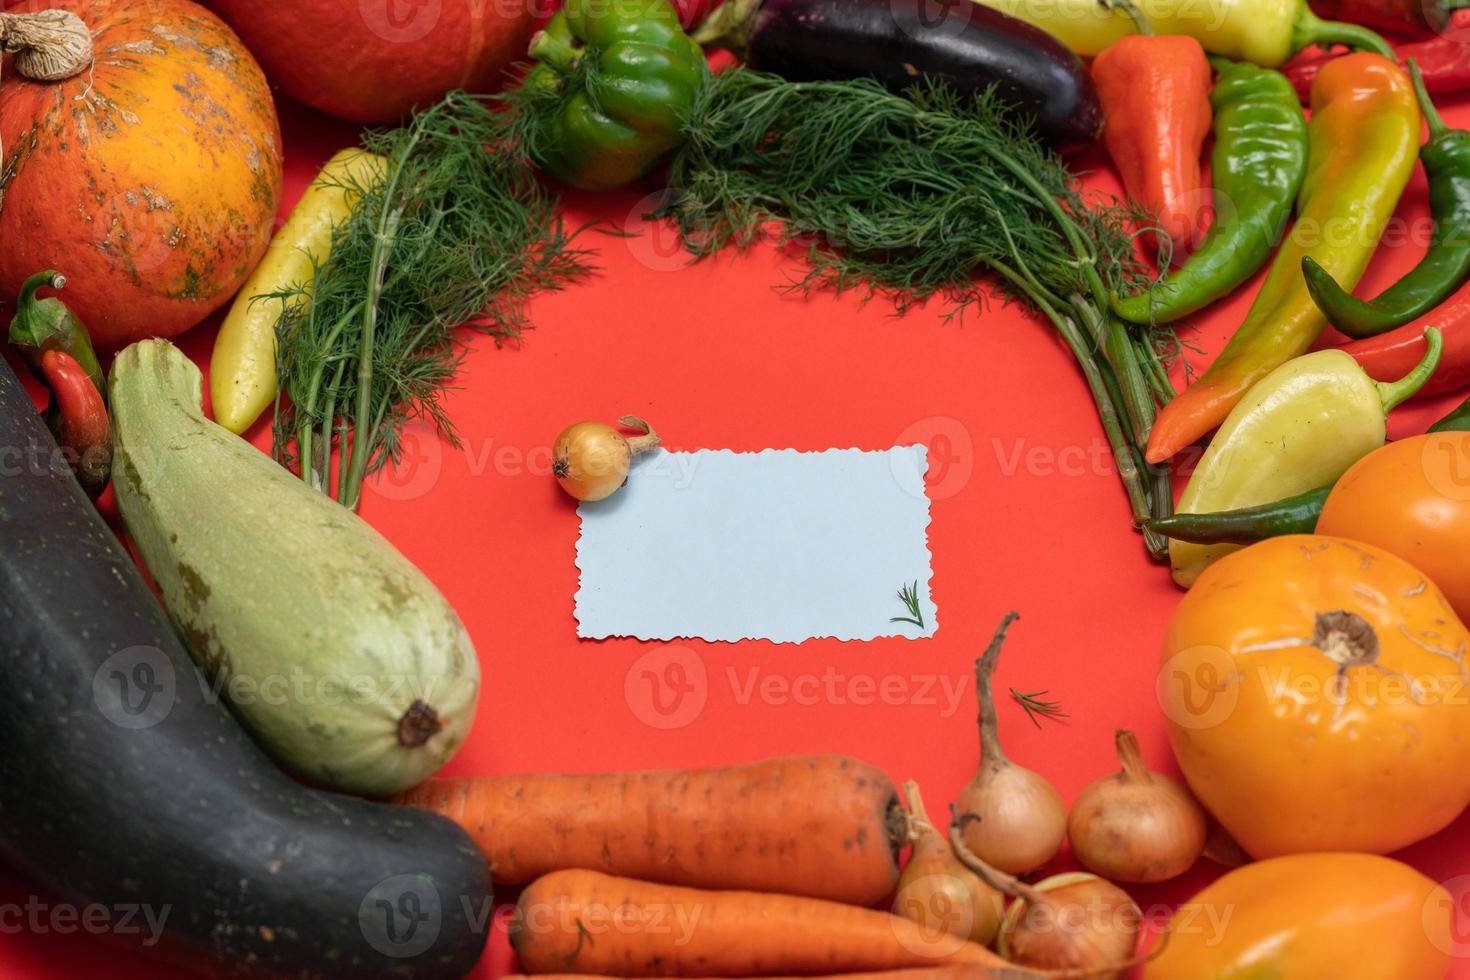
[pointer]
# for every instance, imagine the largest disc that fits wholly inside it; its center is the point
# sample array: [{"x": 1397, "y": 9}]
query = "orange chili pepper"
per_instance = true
[
  {"x": 1363, "y": 143},
  {"x": 1155, "y": 96}
]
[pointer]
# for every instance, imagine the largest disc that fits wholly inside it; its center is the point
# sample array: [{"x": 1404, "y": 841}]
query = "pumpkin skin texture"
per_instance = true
[
  {"x": 374, "y": 60},
  {"x": 151, "y": 182}
]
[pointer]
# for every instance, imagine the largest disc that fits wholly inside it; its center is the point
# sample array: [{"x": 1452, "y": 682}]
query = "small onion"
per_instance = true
[
  {"x": 591, "y": 459},
  {"x": 1137, "y": 825},
  {"x": 1072, "y": 921},
  {"x": 939, "y": 892},
  {"x": 1012, "y": 818}
]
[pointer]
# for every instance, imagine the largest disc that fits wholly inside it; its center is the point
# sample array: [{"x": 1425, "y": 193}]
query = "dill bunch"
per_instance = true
[
  {"x": 458, "y": 231},
  {"x": 910, "y": 196}
]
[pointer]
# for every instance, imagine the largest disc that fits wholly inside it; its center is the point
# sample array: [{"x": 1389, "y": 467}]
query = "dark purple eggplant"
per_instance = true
[{"x": 900, "y": 42}]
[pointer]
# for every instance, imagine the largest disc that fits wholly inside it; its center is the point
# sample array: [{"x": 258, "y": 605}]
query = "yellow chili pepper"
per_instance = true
[
  {"x": 1317, "y": 916},
  {"x": 1362, "y": 144},
  {"x": 1300, "y": 428},
  {"x": 242, "y": 369},
  {"x": 1267, "y": 32}
]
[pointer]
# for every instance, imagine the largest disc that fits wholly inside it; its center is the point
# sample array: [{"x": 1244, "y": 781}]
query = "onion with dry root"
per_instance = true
[
  {"x": 1137, "y": 825},
  {"x": 1012, "y": 818},
  {"x": 1073, "y": 921},
  {"x": 939, "y": 892},
  {"x": 591, "y": 459}
]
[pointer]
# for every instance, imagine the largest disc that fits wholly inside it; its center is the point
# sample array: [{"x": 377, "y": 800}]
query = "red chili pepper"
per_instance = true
[
  {"x": 1444, "y": 61},
  {"x": 79, "y": 421},
  {"x": 1391, "y": 355},
  {"x": 1402, "y": 16},
  {"x": 1155, "y": 96}
]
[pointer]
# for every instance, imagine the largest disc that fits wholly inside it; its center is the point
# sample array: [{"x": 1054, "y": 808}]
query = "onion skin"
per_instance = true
[
  {"x": 1136, "y": 825},
  {"x": 1079, "y": 921},
  {"x": 939, "y": 892},
  {"x": 1012, "y": 818}
]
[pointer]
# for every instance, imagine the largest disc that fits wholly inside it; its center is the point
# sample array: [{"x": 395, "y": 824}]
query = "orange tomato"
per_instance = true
[
  {"x": 1337, "y": 916},
  {"x": 1412, "y": 498},
  {"x": 1317, "y": 698}
]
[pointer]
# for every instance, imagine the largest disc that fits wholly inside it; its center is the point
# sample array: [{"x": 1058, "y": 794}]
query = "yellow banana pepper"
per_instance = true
[
  {"x": 242, "y": 369},
  {"x": 1266, "y": 32},
  {"x": 1300, "y": 427}
]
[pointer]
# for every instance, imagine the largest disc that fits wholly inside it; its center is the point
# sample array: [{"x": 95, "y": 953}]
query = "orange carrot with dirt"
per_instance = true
[
  {"x": 586, "y": 922},
  {"x": 822, "y": 826}
]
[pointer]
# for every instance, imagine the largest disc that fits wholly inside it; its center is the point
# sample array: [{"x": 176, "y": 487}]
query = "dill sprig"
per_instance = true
[
  {"x": 909, "y": 596},
  {"x": 909, "y": 196},
  {"x": 457, "y": 231},
  {"x": 1038, "y": 707}
]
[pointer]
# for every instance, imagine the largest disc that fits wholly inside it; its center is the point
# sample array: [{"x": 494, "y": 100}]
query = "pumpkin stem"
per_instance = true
[{"x": 49, "y": 46}]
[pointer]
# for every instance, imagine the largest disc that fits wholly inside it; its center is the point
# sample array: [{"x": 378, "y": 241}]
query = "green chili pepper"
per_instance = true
[
  {"x": 618, "y": 79},
  {"x": 1294, "y": 515},
  {"x": 42, "y": 325},
  {"x": 1258, "y": 163},
  {"x": 1446, "y": 159}
]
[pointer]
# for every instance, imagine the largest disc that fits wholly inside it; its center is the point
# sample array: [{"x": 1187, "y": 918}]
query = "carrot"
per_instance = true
[
  {"x": 822, "y": 826},
  {"x": 586, "y": 922}
]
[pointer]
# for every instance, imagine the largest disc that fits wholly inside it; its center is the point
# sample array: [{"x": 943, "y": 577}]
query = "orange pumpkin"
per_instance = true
[
  {"x": 374, "y": 60},
  {"x": 152, "y": 180},
  {"x": 1317, "y": 698},
  {"x": 1412, "y": 497}
]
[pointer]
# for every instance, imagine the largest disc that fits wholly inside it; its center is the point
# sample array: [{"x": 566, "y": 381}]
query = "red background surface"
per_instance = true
[{"x": 1024, "y": 518}]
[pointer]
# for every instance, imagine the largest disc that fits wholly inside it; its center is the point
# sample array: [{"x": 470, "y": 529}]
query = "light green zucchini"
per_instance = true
[{"x": 335, "y": 651}]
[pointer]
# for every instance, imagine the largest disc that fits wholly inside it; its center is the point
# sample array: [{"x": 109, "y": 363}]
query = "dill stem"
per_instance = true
[
  {"x": 1123, "y": 451},
  {"x": 349, "y": 488},
  {"x": 1158, "y": 378}
]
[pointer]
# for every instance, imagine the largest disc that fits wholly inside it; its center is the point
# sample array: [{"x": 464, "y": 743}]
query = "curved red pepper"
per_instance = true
[
  {"x": 1444, "y": 60},
  {"x": 79, "y": 421},
  {"x": 1391, "y": 355}
]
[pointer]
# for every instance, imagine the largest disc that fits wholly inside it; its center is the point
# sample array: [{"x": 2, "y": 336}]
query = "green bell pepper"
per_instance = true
[{"x": 619, "y": 78}]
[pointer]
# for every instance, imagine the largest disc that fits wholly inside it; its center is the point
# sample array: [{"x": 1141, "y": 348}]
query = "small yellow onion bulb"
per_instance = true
[
  {"x": 1012, "y": 818},
  {"x": 936, "y": 890},
  {"x": 1074, "y": 921},
  {"x": 590, "y": 459},
  {"x": 1137, "y": 825}
]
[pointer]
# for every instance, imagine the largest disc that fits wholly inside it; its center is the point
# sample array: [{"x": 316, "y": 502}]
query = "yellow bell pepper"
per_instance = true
[
  {"x": 242, "y": 369},
  {"x": 1312, "y": 917},
  {"x": 1266, "y": 32}
]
